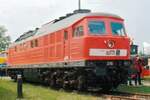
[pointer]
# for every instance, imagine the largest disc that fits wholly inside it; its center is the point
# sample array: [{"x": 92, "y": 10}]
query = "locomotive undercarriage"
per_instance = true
[{"x": 96, "y": 74}]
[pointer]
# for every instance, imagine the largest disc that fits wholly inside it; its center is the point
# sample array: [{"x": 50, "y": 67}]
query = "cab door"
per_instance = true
[{"x": 66, "y": 45}]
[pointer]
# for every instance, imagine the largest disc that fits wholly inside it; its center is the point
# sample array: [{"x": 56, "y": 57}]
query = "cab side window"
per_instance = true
[{"x": 78, "y": 32}]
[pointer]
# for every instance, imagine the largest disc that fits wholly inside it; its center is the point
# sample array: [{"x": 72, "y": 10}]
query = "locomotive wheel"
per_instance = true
[
  {"x": 106, "y": 88},
  {"x": 15, "y": 78},
  {"x": 53, "y": 81},
  {"x": 65, "y": 85},
  {"x": 81, "y": 83},
  {"x": 107, "y": 85}
]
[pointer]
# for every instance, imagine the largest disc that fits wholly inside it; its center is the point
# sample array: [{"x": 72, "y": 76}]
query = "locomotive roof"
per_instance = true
[
  {"x": 64, "y": 22},
  {"x": 52, "y": 27}
]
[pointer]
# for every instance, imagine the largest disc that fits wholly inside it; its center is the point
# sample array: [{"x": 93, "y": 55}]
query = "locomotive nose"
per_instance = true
[{"x": 108, "y": 48}]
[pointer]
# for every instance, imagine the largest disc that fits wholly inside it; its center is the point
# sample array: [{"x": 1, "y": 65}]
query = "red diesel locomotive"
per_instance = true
[{"x": 79, "y": 50}]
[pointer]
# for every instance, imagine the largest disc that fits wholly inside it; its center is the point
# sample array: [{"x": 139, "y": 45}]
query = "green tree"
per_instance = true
[{"x": 4, "y": 40}]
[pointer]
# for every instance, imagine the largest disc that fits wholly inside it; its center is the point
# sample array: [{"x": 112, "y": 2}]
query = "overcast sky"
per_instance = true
[{"x": 19, "y": 16}]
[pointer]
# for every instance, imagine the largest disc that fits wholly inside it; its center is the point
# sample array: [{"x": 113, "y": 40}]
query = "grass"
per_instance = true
[
  {"x": 134, "y": 89},
  {"x": 34, "y": 92}
]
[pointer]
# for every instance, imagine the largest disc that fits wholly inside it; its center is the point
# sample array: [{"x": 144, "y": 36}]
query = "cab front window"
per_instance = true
[
  {"x": 96, "y": 27},
  {"x": 117, "y": 29}
]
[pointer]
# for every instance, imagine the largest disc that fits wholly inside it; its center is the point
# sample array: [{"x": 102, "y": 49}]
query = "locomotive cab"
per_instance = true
[{"x": 100, "y": 40}]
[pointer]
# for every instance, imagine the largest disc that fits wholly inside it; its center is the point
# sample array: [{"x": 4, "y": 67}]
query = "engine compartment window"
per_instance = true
[
  {"x": 78, "y": 31},
  {"x": 97, "y": 27},
  {"x": 117, "y": 29},
  {"x": 66, "y": 35},
  {"x": 15, "y": 48},
  {"x": 34, "y": 43}
]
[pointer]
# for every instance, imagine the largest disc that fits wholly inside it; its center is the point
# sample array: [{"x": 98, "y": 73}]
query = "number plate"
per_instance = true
[{"x": 108, "y": 52}]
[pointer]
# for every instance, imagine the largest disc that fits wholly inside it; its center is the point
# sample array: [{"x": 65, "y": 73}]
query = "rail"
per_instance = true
[{"x": 130, "y": 96}]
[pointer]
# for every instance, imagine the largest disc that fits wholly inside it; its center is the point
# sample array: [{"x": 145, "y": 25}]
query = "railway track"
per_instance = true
[
  {"x": 126, "y": 96},
  {"x": 116, "y": 95}
]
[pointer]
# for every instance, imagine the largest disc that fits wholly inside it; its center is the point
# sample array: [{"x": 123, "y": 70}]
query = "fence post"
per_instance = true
[{"x": 19, "y": 86}]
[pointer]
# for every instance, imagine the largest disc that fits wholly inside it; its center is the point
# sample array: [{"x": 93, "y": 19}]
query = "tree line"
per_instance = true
[{"x": 4, "y": 39}]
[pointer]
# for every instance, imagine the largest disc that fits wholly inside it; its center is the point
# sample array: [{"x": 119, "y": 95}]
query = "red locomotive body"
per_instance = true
[
  {"x": 81, "y": 48},
  {"x": 146, "y": 67}
]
